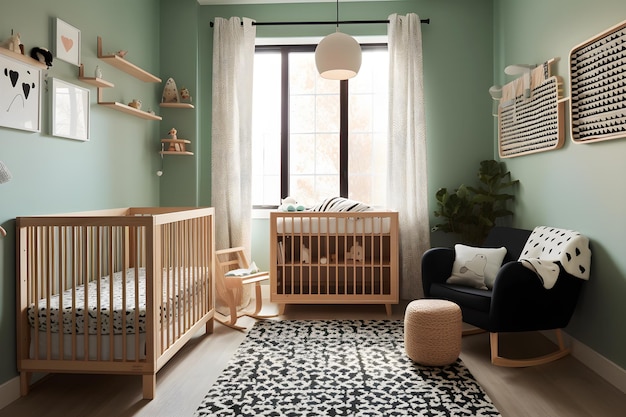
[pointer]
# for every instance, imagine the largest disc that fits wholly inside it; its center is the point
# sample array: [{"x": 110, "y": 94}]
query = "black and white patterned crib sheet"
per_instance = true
[{"x": 129, "y": 316}]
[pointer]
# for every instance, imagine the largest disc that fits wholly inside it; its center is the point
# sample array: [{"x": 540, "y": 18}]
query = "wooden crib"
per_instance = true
[
  {"x": 116, "y": 291},
  {"x": 334, "y": 258}
]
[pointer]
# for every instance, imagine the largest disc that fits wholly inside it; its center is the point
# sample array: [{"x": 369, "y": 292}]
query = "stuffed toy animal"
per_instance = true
[
  {"x": 305, "y": 255},
  {"x": 13, "y": 43},
  {"x": 42, "y": 55},
  {"x": 290, "y": 204}
]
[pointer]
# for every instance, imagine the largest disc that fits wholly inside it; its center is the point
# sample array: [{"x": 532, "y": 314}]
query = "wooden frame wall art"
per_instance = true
[
  {"x": 531, "y": 124},
  {"x": 20, "y": 94},
  {"x": 67, "y": 42},
  {"x": 598, "y": 87}
]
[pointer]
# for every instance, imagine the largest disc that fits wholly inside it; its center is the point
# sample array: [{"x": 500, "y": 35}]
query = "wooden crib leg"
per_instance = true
[
  {"x": 149, "y": 386},
  {"x": 209, "y": 326},
  {"x": 24, "y": 382},
  {"x": 388, "y": 309}
]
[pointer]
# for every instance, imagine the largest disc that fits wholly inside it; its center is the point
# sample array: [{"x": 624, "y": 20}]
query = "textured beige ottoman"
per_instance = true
[{"x": 432, "y": 332}]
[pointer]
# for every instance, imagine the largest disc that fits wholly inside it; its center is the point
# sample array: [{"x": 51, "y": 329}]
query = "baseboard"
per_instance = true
[
  {"x": 9, "y": 392},
  {"x": 611, "y": 372}
]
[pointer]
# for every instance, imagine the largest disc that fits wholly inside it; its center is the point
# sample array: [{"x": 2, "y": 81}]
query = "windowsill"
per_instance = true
[{"x": 263, "y": 213}]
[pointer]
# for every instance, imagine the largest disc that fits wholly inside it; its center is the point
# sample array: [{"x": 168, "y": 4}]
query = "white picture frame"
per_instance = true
[
  {"x": 20, "y": 95},
  {"x": 67, "y": 42},
  {"x": 69, "y": 111}
]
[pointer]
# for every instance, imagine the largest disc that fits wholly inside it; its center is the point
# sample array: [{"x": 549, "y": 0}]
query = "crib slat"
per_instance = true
[
  {"x": 136, "y": 247},
  {"x": 110, "y": 250}
]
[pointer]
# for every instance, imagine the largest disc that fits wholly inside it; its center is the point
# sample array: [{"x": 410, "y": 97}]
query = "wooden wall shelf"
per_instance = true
[
  {"x": 176, "y": 153},
  {"x": 95, "y": 81},
  {"x": 129, "y": 110},
  {"x": 128, "y": 67},
  {"x": 180, "y": 143},
  {"x": 23, "y": 58},
  {"x": 177, "y": 105}
]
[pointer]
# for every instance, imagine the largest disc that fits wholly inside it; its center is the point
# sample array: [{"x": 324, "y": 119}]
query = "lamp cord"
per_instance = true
[{"x": 337, "y": 14}]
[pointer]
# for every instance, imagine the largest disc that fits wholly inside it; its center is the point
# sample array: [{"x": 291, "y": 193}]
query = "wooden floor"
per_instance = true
[{"x": 564, "y": 388}]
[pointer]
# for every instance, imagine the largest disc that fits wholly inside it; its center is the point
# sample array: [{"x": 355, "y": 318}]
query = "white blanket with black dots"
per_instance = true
[{"x": 548, "y": 246}]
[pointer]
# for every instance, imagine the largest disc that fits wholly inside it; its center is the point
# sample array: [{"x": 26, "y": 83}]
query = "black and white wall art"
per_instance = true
[
  {"x": 531, "y": 114},
  {"x": 598, "y": 87},
  {"x": 20, "y": 95}
]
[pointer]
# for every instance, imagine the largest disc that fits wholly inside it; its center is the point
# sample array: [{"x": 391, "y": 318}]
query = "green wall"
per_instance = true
[
  {"x": 116, "y": 168},
  {"x": 580, "y": 186},
  {"x": 179, "y": 60}
]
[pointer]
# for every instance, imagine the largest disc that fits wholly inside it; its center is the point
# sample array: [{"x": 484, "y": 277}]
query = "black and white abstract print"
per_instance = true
[{"x": 338, "y": 368}]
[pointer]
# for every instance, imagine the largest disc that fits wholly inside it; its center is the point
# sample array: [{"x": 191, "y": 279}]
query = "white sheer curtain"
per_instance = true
[
  {"x": 407, "y": 174},
  {"x": 231, "y": 160}
]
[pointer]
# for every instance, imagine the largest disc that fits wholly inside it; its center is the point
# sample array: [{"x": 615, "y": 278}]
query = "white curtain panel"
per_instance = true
[
  {"x": 231, "y": 133},
  {"x": 407, "y": 174}
]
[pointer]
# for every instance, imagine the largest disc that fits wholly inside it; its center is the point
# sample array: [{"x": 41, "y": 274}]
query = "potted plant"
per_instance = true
[{"x": 471, "y": 212}]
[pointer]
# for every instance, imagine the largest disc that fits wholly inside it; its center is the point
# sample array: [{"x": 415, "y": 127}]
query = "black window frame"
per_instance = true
[{"x": 284, "y": 117}]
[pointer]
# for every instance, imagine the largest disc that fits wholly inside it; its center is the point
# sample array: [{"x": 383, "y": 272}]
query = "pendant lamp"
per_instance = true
[{"x": 338, "y": 56}]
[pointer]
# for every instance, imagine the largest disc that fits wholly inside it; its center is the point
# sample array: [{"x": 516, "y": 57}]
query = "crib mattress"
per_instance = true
[
  {"x": 124, "y": 317},
  {"x": 333, "y": 225}
]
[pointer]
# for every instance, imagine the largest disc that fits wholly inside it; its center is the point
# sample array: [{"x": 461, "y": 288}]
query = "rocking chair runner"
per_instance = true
[{"x": 230, "y": 288}]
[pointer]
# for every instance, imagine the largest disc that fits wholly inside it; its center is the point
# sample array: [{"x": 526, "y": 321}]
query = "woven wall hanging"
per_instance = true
[
  {"x": 598, "y": 87},
  {"x": 530, "y": 123}
]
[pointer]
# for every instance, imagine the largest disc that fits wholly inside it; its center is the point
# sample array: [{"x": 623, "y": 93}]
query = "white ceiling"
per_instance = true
[{"x": 223, "y": 2}]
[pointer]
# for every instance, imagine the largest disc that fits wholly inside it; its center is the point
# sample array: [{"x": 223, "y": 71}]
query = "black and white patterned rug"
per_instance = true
[{"x": 338, "y": 368}]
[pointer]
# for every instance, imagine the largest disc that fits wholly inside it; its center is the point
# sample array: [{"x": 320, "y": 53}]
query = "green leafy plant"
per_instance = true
[{"x": 471, "y": 212}]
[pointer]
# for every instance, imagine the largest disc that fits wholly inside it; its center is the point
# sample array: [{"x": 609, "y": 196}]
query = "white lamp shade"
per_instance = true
[{"x": 338, "y": 56}]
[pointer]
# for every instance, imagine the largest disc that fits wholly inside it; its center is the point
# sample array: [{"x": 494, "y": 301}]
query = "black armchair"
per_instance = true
[{"x": 518, "y": 301}]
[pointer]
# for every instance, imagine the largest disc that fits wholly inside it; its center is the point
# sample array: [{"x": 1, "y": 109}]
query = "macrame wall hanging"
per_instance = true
[
  {"x": 598, "y": 87},
  {"x": 531, "y": 113}
]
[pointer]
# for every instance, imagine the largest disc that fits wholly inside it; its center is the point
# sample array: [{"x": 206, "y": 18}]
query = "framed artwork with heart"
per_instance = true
[
  {"x": 67, "y": 43},
  {"x": 20, "y": 95}
]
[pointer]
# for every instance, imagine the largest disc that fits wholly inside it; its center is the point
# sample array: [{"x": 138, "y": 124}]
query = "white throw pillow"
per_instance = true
[{"x": 476, "y": 267}]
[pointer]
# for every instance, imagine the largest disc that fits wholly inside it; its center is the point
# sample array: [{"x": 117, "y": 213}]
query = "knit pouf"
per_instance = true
[{"x": 432, "y": 332}]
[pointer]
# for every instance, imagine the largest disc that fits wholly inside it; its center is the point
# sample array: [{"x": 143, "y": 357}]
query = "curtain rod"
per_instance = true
[{"x": 340, "y": 22}]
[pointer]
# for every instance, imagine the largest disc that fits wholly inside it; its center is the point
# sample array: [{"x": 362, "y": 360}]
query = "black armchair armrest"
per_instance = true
[
  {"x": 436, "y": 267},
  {"x": 520, "y": 302}
]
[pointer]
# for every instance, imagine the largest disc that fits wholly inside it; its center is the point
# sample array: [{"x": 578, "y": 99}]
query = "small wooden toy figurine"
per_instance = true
[
  {"x": 174, "y": 146},
  {"x": 185, "y": 94},
  {"x": 136, "y": 104}
]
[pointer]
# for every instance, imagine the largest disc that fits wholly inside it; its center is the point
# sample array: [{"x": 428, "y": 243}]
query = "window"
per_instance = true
[{"x": 314, "y": 138}]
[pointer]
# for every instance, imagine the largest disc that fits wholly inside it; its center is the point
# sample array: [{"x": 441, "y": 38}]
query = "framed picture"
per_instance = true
[
  {"x": 70, "y": 110},
  {"x": 67, "y": 43},
  {"x": 20, "y": 95}
]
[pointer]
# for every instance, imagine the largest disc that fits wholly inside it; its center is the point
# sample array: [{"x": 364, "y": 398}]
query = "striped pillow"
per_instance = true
[{"x": 340, "y": 204}]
